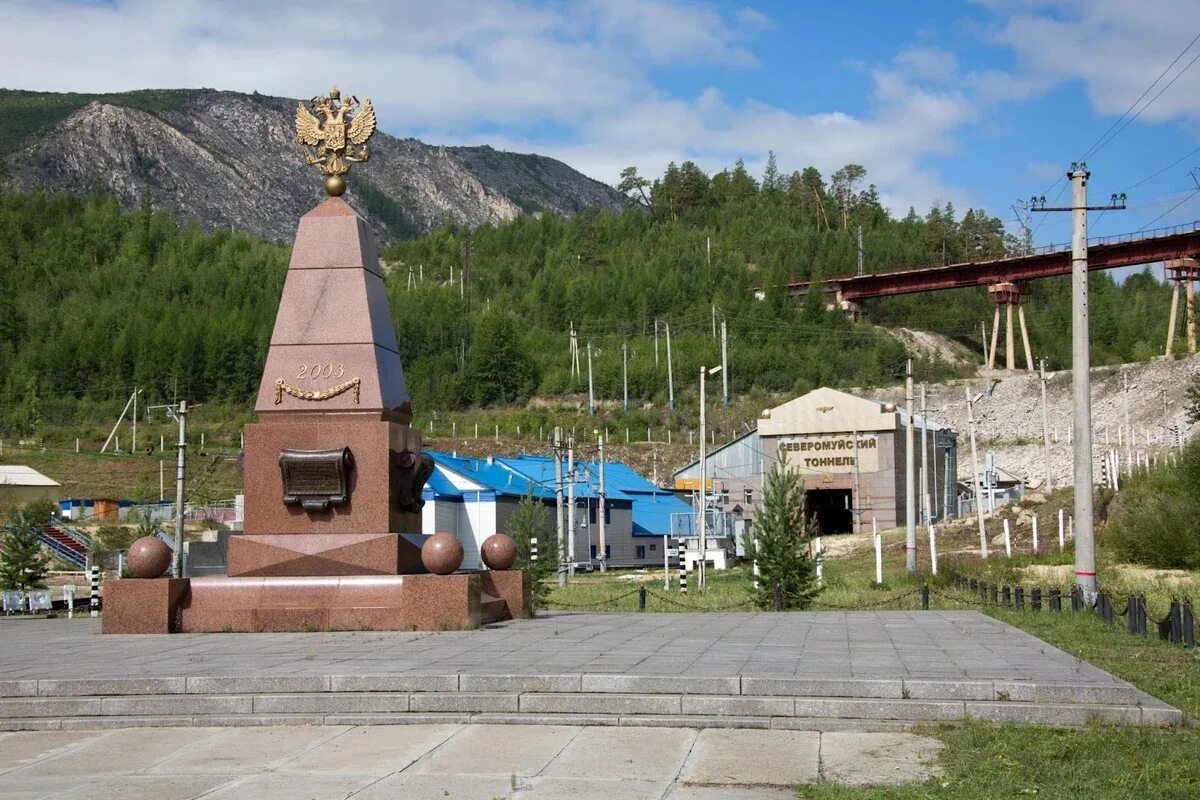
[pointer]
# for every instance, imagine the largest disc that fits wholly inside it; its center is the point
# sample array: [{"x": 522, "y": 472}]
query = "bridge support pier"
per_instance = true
[
  {"x": 1184, "y": 271},
  {"x": 1008, "y": 294}
]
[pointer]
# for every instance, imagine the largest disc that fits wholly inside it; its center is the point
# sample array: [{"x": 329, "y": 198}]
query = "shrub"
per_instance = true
[{"x": 1157, "y": 523}]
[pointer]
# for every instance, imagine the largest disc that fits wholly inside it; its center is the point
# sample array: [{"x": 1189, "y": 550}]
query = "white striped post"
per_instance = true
[
  {"x": 682, "y": 565},
  {"x": 1035, "y": 535},
  {"x": 95, "y": 604},
  {"x": 1062, "y": 541},
  {"x": 878, "y": 552},
  {"x": 533, "y": 550},
  {"x": 1007, "y": 541}
]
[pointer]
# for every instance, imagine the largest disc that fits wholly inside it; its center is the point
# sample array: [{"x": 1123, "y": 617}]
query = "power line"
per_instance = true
[
  {"x": 1169, "y": 210},
  {"x": 1101, "y": 142}
]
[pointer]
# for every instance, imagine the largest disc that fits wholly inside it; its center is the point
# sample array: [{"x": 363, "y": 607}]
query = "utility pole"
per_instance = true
[
  {"x": 983, "y": 330},
  {"x": 656, "y": 343},
  {"x": 714, "y": 320},
  {"x": 571, "y": 504},
  {"x": 558, "y": 505},
  {"x": 1085, "y": 543},
  {"x": 177, "y": 560},
  {"x": 926, "y": 511},
  {"x": 625, "y": 372},
  {"x": 670, "y": 372},
  {"x": 910, "y": 491},
  {"x": 983, "y": 544},
  {"x": 133, "y": 446},
  {"x": 591, "y": 385},
  {"x": 1128, "y": 430},
  {"x": 600, "y": 514},
  {"x": 1046, "y": 429},
  {"x": 724, "y": 362},
  {"x": 702, "y": 521}
]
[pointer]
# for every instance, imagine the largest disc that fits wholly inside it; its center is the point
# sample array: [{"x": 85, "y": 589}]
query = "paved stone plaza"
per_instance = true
[
  {"x": 456, "y": 762},
  {"x": 936, "y": 645},
  {"x": 876, "y": 671}
]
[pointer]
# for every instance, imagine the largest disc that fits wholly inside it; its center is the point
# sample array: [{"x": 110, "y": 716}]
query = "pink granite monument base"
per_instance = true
[
  {"x": 142, "y": 605},
  {"x": 336, "y": 603}
]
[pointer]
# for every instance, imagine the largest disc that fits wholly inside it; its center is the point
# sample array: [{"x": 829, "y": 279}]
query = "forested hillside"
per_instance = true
[{"x": 94, "y": 300}]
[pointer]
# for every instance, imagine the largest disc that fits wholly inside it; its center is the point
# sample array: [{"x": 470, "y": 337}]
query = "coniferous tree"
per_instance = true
[
  {"x": 23, "y": 565},
  {"x": 531, "y": 521},
  {"x": 780, "y": 543}
]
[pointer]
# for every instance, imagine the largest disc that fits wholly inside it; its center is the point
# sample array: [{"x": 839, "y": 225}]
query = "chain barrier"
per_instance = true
[
  {"x": 550, "y": 601},
  {"x": 694, "y": 607},
  {"x": 860, "y": 606}
]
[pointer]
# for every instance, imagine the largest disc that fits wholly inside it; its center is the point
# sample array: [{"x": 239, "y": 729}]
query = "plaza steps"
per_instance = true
[{"x": 588, "y": 699}]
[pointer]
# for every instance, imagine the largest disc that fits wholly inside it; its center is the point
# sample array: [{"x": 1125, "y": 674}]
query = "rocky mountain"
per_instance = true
[{"x": 226, "y": 159}]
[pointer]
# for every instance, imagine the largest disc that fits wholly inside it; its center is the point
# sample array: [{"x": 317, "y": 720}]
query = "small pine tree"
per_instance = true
[
  {"x": 532, "y": 521},
  {"x": 23, "y": 565},
  {"x": 780, "y": 545}
]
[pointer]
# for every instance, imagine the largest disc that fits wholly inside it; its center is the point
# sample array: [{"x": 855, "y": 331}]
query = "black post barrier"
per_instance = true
[
  {"x": 641, "y": 598},
  {"x": 779, "y": 598},
  {"x": 1131, "y": 614},
  {"x": 1076, "y": 599},
  {"x": 974, "y": 584},
  {"x": 995, "y": 592},
  {"x": 1142, "y": 629},
  {"x": 925, "y": 597},
  {"x": 983, "y": 592},
  {"x": 1006, "y": 593},
  {"x": 1019, "y": 594},
  {"x": 1055, "y": 599},
  {"x": 1035, "y": 598},
  {"x": 1176, "y": 618},
  {"x": 1106, "y": 610},
  {"x": 1189, "y": 624}
]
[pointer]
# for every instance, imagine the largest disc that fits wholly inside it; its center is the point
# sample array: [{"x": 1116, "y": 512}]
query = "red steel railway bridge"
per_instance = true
[{"x": 1178, "y": 247}]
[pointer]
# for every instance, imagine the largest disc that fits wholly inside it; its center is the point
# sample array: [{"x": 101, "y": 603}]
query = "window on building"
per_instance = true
[
  {"x": 641, "y": 551},
  {"x": 749, "y": 495},
  {"x": 653, "y": 547},
  {"x": 607, "y": 551},
  {"x": 592, "y": 514},
  {"x": 724, "y": 497}
]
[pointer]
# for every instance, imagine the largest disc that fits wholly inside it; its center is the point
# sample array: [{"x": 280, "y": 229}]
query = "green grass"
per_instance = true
[{"x": 980, "y": 761}]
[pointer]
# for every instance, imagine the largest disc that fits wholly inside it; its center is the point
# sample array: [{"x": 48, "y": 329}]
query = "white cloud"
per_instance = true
[
  {"x": 1116, "y": 48},
  {"x": 571, "y": 78}
]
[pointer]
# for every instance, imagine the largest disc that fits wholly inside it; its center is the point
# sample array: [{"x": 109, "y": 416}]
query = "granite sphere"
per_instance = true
[
  {"x": 499, "y": 551},
  {"x": 442, "y": 553},
  {"x": 148, "y": 557}
]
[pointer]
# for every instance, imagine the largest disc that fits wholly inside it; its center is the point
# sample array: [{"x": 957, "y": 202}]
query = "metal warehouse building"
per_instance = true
[{"x": 849, "y": 451}]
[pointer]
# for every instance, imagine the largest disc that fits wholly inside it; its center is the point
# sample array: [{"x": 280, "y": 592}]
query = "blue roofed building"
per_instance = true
[{"x": 475, "y": 497}]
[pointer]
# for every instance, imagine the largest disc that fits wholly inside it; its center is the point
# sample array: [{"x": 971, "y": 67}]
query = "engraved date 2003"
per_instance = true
[{"x": 318, "y": 371}]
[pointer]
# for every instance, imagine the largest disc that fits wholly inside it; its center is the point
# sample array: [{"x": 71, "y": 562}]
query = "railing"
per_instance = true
[
  {"x": 62, "y": 551},
  {"x": 76, "y": 535},
  {"x": 1123, "y": 238}
]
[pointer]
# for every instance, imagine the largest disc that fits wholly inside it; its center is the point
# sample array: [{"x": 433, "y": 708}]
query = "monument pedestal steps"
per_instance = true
[{"x": 567, "y": 699}]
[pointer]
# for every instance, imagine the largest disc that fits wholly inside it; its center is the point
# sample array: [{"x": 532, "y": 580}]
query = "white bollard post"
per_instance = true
[
  {"x": 933, "y": 550},
  {"x": 1007, "y": 541},
  {"x": 95, "y": 600},
  {"x": 1035, "y": 536},
  {"x": 69, "y": 599},
  {"x": 1070, "y": 527},
  {"x": 878, "y": 553},
  {"x": 757, "y": 572},
  {"x": 1062, "y": 542},
  {"x": 820, "y": 561}
]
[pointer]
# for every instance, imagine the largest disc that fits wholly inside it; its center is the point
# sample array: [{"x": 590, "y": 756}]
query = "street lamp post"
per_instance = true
[{"x": 701, "y": 521}]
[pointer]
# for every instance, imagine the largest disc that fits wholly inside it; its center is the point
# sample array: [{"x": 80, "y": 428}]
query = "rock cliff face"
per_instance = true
[{"x": 226, "y": 159}]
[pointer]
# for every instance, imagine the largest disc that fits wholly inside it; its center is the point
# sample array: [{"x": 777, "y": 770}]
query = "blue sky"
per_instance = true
[{"x": 979, "y": 103}]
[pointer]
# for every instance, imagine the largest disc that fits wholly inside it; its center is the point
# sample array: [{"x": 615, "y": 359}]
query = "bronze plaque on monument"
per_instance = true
[{"x": 316, "y": 479}]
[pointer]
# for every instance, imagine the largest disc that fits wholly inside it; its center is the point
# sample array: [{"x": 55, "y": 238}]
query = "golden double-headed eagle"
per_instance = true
[{"x": 331, "y": 141}]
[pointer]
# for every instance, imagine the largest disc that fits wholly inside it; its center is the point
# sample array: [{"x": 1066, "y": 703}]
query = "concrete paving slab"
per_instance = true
[
  {"x": 878, "y": 759},
  {"x": 24, "y": 748},
  {"x": 243, "y": 750},
  {"x": 753, "y": 758},
  {"x": 681, "y": 792},
  {"x": 440, "y": 787},
  {"x": 378, "y": 750},
  {"x": 117, "y": 752},
  {"x": 139, "y": 787},
  {"x": 501, "y": 750},
  {"x": 589, "y": 789},
  {"x": 288, "y": 785},
  {"x": 647, "y": 754}
]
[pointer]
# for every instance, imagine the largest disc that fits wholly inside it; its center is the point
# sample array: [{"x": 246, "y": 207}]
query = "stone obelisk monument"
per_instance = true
[{"x": 333, "y": 472}]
